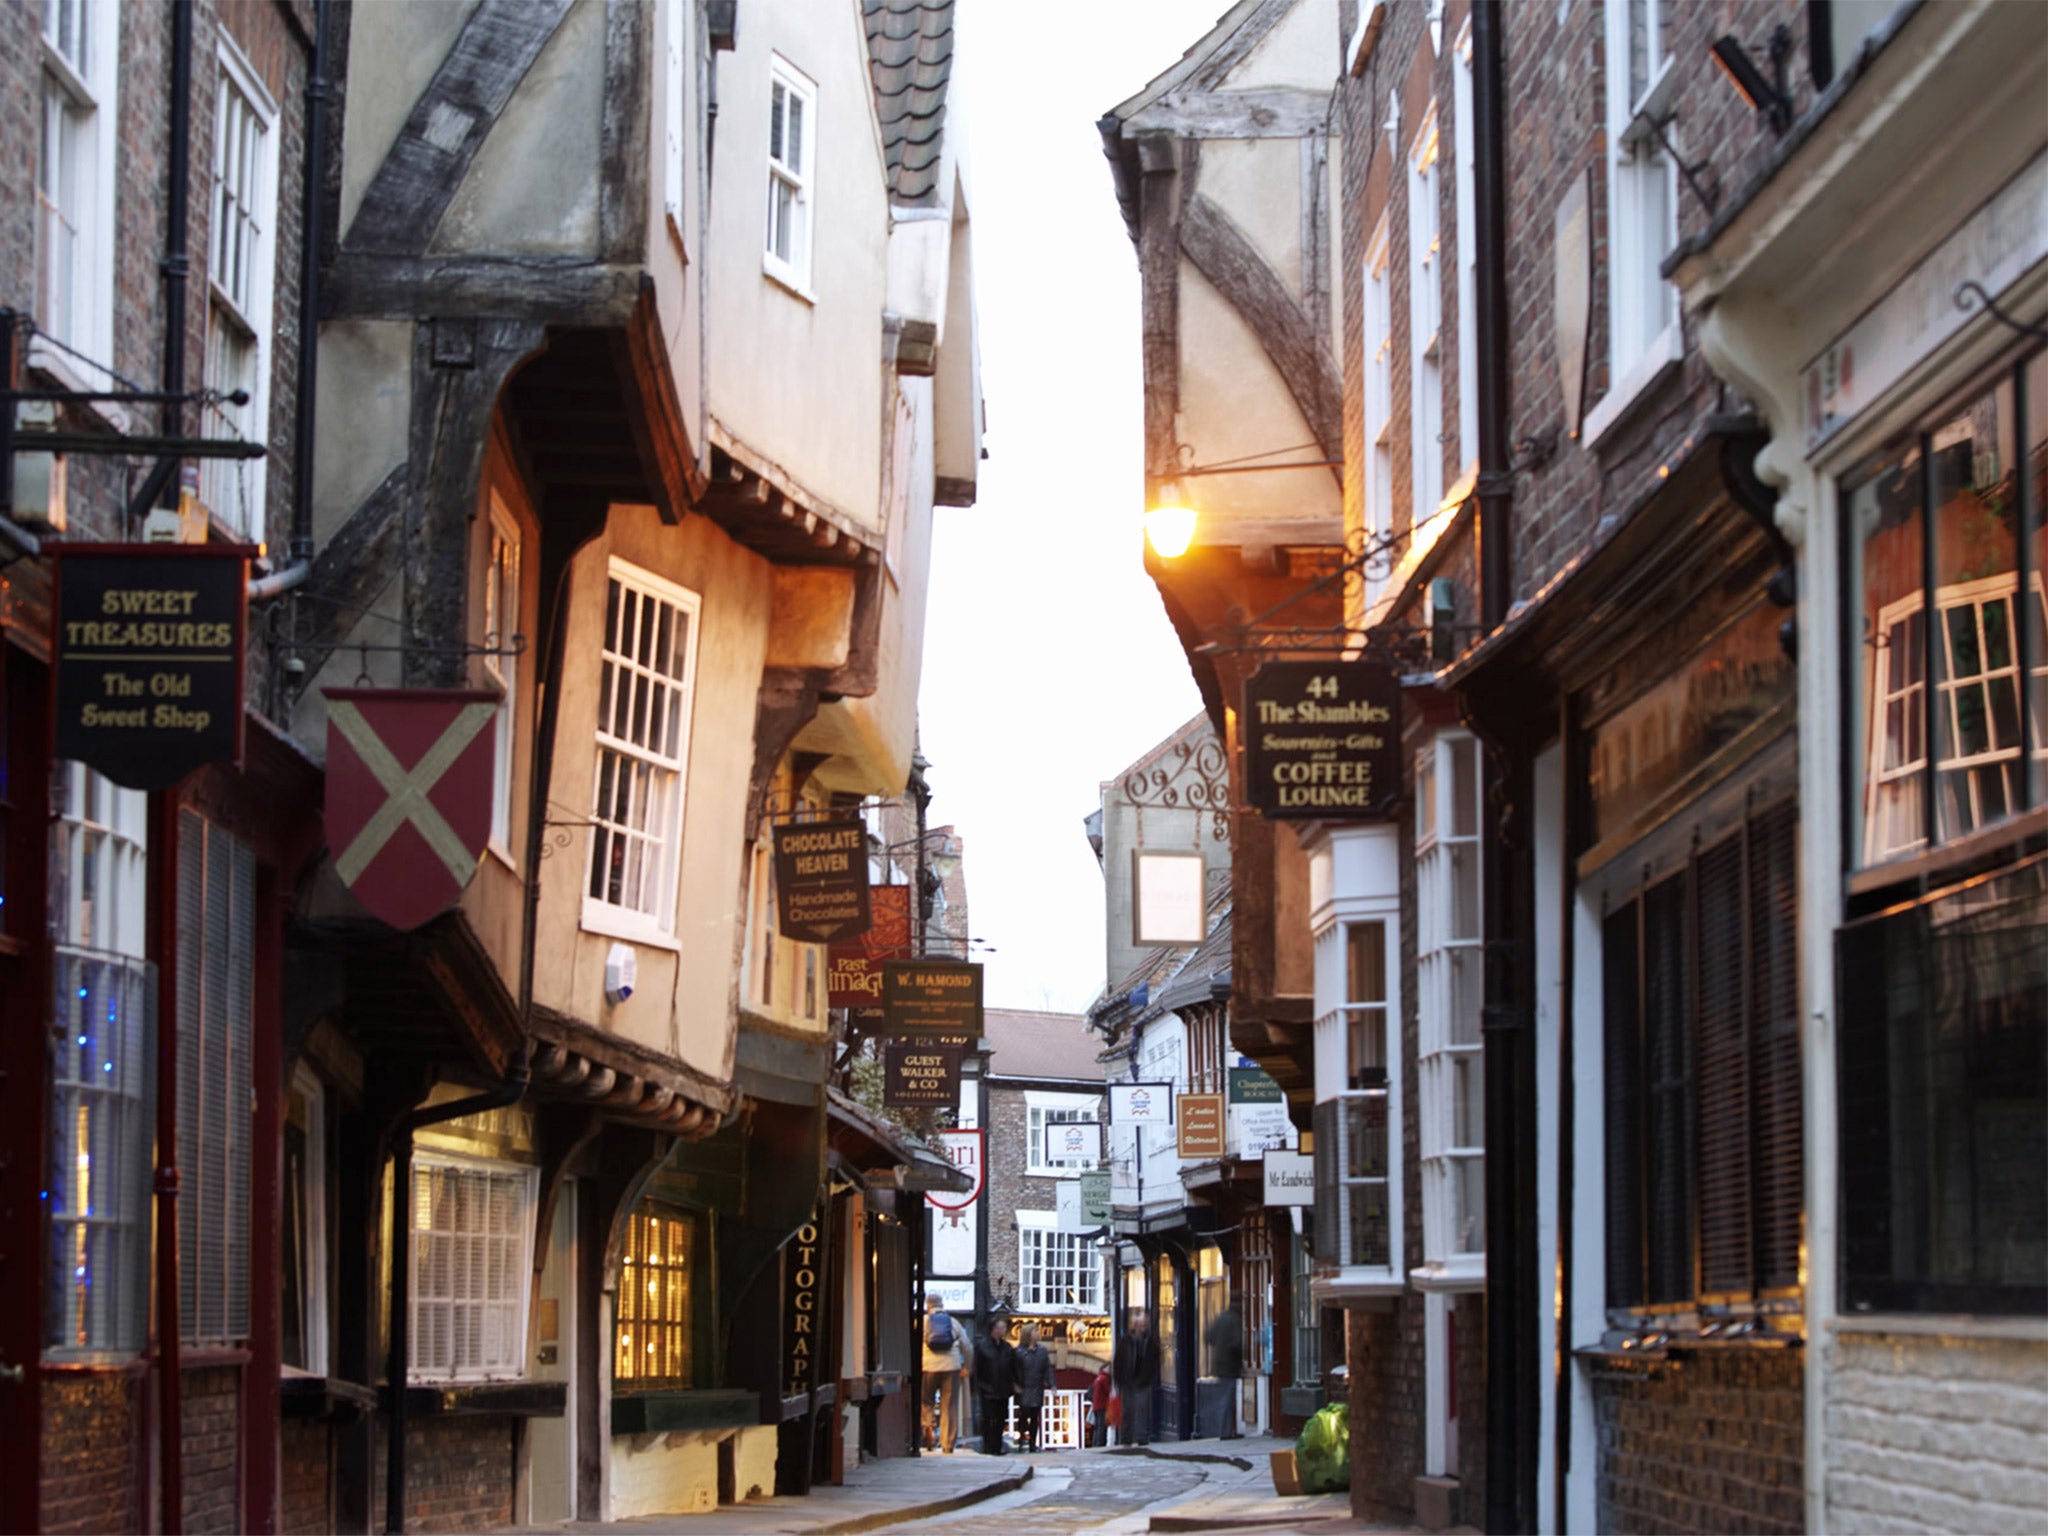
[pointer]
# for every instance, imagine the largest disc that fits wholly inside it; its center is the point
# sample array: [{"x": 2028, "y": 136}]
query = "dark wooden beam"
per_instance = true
[{"x": 564, "y": 291}]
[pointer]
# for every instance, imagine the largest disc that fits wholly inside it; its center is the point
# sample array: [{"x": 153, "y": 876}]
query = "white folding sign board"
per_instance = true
[
  {"x": 1141, "y": 1103},
  {"x": 1168, "y": 900}
]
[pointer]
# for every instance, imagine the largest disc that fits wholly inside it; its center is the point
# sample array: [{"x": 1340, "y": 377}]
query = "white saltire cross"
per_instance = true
[{"x": 408, "y": 791}]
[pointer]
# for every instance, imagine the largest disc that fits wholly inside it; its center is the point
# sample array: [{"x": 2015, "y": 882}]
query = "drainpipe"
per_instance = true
[
  {"x": 163, "y": 818},
  {"x": 1509, "y": 1108}
]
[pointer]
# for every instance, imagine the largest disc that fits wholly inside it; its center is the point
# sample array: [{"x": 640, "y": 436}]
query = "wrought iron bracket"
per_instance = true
[{"x": 1970, "y": 289}]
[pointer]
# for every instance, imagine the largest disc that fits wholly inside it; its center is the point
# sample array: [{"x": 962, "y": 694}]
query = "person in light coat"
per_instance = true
[{"x": 944, "y": 1371}]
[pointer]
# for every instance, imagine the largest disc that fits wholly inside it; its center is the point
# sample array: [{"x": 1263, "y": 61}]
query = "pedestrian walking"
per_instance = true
[
  {"x": 1099, "y": 1391},
  {"x": 995, "y": 1382},
  {"x": 1034, "y": 1375},
  {"x": 1136, "y": 1372},
  {"x": 945, "y": 1358},
  {"x": 1225, "y": 1339}
]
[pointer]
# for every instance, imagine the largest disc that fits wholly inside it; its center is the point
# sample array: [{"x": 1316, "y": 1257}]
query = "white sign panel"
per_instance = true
[
  {"x": 1141, "y": 1103},
  {"x": 1290, "y": 1178},
  {"x": 956, "y": 1245},
  {"x": 1073, "y": 1142},
  {"x": 1170, "y": 903},
  {"x": 1258, "y": 1129},
  {"x": 1068, "y": 1199},
  {"x": 954, "y": 1295}
]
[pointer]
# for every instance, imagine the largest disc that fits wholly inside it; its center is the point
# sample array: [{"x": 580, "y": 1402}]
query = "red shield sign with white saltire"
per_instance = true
[
  {"x": 965, "y": 1149},
  {"x": 409, "y": 779}
]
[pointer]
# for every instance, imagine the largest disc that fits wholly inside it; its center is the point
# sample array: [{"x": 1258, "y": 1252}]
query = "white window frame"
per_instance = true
[
  {"x": 797, "y": 176},
  {"x": 652, "y": 919},
  {"x": 103, "y": 1077},
  {"x": 77, "y": 105},
  {"x": 1645, "y": 338},
  {"x": 1446, "y": 834},
  {"x": 1378, "y": 322},
  {"x": 1043, "y": 1248},
  {"x": 1463, "y": 131},
  {"x": 501, "y": 662},
  {"x": 515, "y": 1261},
  {"x": 313, "y": 1284},
  {"x": 1425, "y": 325},
  {"x": 1042, "y": 1109},
  {"x": 241, "y": 266}
]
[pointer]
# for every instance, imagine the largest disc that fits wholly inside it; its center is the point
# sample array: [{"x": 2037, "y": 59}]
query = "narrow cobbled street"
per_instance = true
[{"x": 1085, "y": 1491}]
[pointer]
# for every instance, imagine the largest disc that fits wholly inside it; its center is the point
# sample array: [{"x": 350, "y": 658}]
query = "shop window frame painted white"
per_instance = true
[
  {"x": 790, "y": 227},
  {"x": 1448, "y": 934},
  {"x": 1041, "y": 1248},
  {"x": 77, "y": 105},
  {"x": 1042, "y": 1109},
  {"x": 1425, "y": 323},
  {"x": 502, "y": 619},
  {"x": 1464, "y": 146},
  {"x": 1378, "y": 405},
  {"x": 510, "y": 1363}
]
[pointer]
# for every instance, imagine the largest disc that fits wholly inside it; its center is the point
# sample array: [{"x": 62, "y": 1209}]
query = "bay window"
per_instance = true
[
  {"x": 1449, "y": 1096},
  {"x": 472, "y": 1268}
]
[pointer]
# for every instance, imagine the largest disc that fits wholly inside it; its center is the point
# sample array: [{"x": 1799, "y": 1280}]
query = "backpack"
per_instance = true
[{"x": 938, "y": 1335}]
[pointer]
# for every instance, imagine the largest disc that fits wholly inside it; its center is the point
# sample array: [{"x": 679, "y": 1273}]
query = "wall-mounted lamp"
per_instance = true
[
  {"x": 1170, "y": 522},
  {"x": 1767, "y": 94}
]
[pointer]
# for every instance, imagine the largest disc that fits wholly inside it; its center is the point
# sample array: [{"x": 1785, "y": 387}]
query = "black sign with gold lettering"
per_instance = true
[
  {"x": 821, "y": 880},
  {"x": 1322, "y": 739},
  {"x": 928, "y": 997},
  {"x": 803, "y": 1270},
  {"x": 920, "y": 1072},
  {"x": 149, "y": 658}
]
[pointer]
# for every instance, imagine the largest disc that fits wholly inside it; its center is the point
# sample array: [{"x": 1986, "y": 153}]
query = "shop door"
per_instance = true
[{"x": 554, "y": 1440}]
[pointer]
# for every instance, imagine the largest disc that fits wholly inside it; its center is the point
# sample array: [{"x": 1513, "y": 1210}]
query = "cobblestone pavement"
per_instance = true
[{"x": 1069, "y": 1494}]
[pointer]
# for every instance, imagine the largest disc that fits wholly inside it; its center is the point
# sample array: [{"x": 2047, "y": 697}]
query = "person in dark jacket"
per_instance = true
[
  {"x": 1225, "y": 1339},
  {"x": 1136, "y": 1373},
  {"x": 995, "y": 1382},
  {"x": 1034, "y": 1375}
]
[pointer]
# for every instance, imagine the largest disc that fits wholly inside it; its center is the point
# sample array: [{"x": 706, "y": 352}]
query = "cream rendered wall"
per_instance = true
[
  {"x": 393, "y": 51},
  {"x": 1305, "y": 50},
  {"x": 684, "y": 1002},
  {"x": 797, "y": 378},
  {"x": 675, "y": 207}
]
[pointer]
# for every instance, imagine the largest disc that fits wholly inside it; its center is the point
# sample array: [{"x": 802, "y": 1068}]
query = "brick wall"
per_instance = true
[
  {"x": 1936, "y": 1434},
  {"x": 305, "y": 1470},
  {"x": 92, "y": 1421},
  {"x": 1471, "y": 1391},
  {"x": 211, "y": 1404},
  {"x": 458, "y": 1474},
  {"x": 1713, "y": 1440}
]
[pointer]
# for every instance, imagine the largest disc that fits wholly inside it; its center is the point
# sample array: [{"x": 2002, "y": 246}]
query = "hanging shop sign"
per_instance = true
[
  {"x": 918, "y": 1072},
  {"x": 853, "y": 967},
  {"x": 965, "y": 1149},
  {"x": 821, "y": 880},
  {"x": 1199, "y": 1120},
  {"x": 1095, "y": 1201},
  {"x": 409, "y": 779},
  {"x": 1322, "y": 739},
  {"x": 804, "y": 1268},
  {"x": 1073, "y": 1141},
  {"x": 149, "y": 651},
  {"x": 1141, "y": 1103},
  {"x": 1290, "y": 1178},
  {"x": 932, "y": 997},
  {"x": 1258, "y": 1113}
]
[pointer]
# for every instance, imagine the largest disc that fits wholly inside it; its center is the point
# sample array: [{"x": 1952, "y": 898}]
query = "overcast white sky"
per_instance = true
[{"x": 1049, "y": 663}]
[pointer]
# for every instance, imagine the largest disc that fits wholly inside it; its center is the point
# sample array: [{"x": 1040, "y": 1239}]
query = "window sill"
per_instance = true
[
  {"x": 67, "y": 372},
  {"x": 1633, "y": 387},
  {"x": 1954, "y": 860},
  {"x": 609, "y": 922},
  {"x": 786, "y": 279},
  {"x": 1459, "y": 1275},
  {"x": 470, "y": 1399},
  {"x": 1357, "y": 1283},
  {"x": 327, "y": 1398},
  {"x": 656, "y": 1413},
  {"x": 1941, "y": 1325}
]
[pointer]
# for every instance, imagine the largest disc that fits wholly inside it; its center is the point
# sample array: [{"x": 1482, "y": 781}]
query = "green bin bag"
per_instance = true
[{"x": 1322, "y": 1452}]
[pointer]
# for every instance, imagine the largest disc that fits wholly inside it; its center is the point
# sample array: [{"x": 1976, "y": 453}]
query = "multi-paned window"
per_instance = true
[
  {"x": 216, "y": 1037},
  {"x": 240, "y": 268},
  {"x": 102, "y": 1077},
  {"x": 656, "y": 1324},
  {"x": 1056, "y": 1270},
  {"x": 792, "y": 138},
  {"x": 1379, "y": 405},
  {"x": 501, "y": 660},
  {"x": 1700, "y": 996},
  {"x": 303, "y": 1310},
  {"x": 1642, "y": 202},
  {"x": 1357, "y": 1131},
  {"x": 472, "y": 1268},
  {"x": 1425, "y": 326},
  {"x": 1449, "y": 1096},
  {"x": 1942, "y": 516},
  {"x": 1307, "y": 1322},
  {"x": 74, "y": 173},
  {"x": 1045, "y": 1109},
  {"x": 647, "y": 676}
]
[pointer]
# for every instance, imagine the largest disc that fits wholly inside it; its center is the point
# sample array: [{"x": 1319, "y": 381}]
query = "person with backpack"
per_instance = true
[{"x": 944, "y": 1360}]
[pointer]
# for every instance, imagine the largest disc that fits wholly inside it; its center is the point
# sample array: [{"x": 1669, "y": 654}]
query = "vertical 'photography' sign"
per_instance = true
[
  {"x": 821, "y": 880},
  {"x": 149, "y": 651},
  {"x": 932, "y": 997},
  {"x": 804, "y": 1261},
  {"x": 1322, "y": 739}
]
